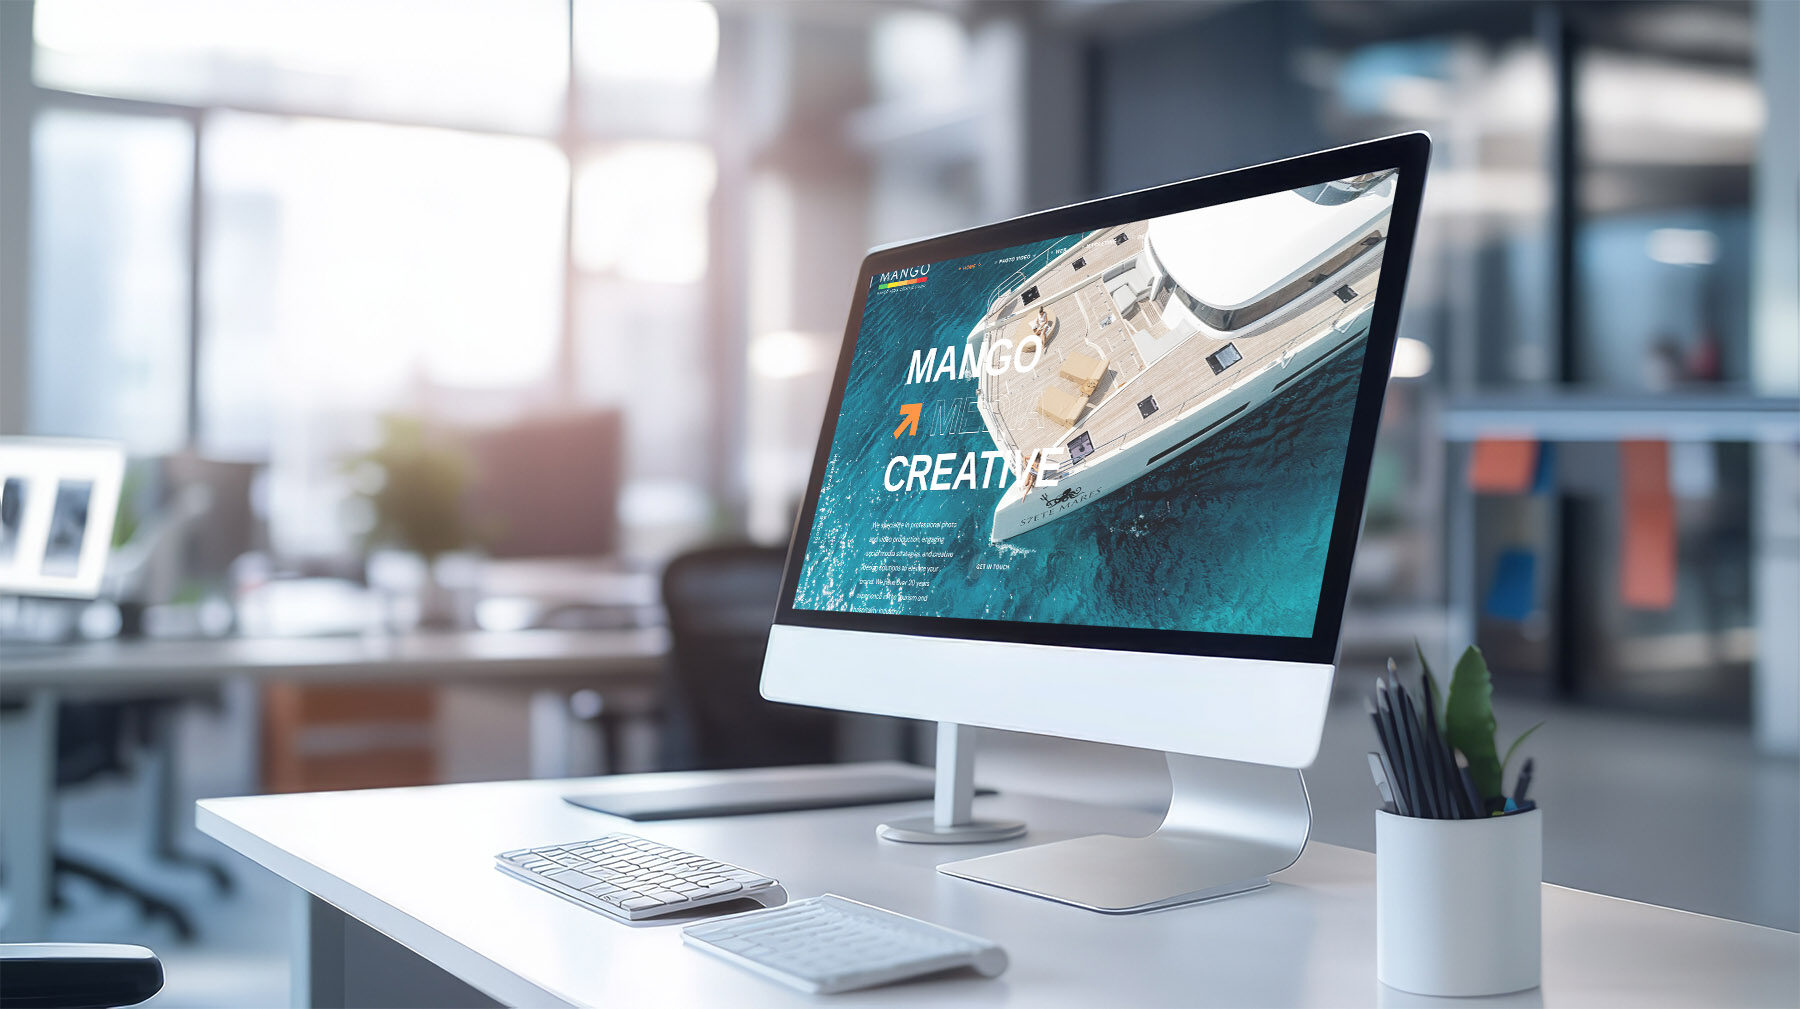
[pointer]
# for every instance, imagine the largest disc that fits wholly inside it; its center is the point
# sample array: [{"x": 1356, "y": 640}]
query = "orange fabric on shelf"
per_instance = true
[
  {"x": 1647, "y": 563},
  {"x": 1647, "y": 546},
  {"x": 1503, "y": 465},
  {"x": 1644, "y": 469}
]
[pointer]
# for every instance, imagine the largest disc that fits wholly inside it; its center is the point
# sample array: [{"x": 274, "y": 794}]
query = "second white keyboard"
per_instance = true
[{"x": 828, "y": 944}]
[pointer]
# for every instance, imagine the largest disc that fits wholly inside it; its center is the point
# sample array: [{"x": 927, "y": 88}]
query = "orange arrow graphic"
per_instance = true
[{"x": 909, "y": 418}]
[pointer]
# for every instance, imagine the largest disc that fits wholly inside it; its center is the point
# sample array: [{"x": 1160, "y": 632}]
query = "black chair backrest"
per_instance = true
[
  {"x": 721, "y": 602},
  {"x": 90, "y": 740}
]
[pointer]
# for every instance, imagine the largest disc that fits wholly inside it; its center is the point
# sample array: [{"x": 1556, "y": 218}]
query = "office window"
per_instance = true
[
  {"x": 641, "y": 211},
  {"x": 1482, "y": 264},
  {"x": 641, "y": 245},
  {"x": 640, "y": 346},
  {"x": 1663, "y": 255},
  {"x": 919, "y": 58},
  {"x": 490, "y": 63},
  {"x": 355, "y": 268},
  {"x": 109, "y": 285},
  {"x": 645, "y": 67}
]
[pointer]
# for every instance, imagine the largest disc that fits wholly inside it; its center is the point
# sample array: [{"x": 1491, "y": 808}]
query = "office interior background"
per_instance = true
[{"x": 473, "y": 314}]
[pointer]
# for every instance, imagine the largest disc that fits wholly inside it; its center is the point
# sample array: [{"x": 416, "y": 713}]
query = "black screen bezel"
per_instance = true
[{"x": 1407, "y": 152}]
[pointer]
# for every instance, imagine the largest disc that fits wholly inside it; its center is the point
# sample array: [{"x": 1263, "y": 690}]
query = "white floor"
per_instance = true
[{"x": 1670, "y": 813}]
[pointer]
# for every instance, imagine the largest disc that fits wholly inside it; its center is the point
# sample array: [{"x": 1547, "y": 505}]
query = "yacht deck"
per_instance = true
[{"x": 1179, "y": 377}]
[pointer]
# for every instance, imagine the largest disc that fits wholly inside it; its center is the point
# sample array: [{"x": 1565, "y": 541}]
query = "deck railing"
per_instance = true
[{"x": 1018, "y": 276}]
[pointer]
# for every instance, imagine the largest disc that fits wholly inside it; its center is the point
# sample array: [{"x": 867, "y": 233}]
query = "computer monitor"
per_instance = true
[
  {"x": 58, "y": 500},
  {"x": 1098, "y": 472},
  {"x": 548, "y": 486}
]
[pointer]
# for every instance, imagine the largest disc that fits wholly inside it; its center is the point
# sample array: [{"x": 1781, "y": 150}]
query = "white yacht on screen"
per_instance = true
[{"x": 1143, "y": 340}]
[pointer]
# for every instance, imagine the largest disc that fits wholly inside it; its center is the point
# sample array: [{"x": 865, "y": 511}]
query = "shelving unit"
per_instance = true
[{"x": 1585, "y": 416}]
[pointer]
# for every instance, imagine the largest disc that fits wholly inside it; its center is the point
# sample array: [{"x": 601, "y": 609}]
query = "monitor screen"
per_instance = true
[{"x": 1143, "y": 425}]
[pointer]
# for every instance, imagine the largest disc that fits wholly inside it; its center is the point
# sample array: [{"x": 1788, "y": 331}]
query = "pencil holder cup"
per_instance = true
[{"x": 1458, "y": 903}]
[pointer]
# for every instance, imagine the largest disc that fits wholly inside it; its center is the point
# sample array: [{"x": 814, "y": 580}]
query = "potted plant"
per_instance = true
[{"x": 414, "y": 484}]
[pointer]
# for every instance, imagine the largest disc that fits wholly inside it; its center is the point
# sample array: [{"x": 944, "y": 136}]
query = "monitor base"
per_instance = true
[
  {"x": 923, "y": 830},
  {"x": 952, "y": 819},
  {"x": 1229, "y": 826}
]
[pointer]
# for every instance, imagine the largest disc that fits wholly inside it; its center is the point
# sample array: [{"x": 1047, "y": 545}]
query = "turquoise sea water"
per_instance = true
[{"x": 1231, "y": 537}]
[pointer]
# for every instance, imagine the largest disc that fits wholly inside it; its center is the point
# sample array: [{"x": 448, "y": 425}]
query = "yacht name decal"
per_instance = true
[{"x": 1068, "y": 500}]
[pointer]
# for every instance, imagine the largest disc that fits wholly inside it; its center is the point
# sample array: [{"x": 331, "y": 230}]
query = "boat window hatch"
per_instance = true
[
  {"x": 1346, "y": 294},
  {"x": 1081, "y": 447},
  {"x": 1223, "y": 358},
  {"x": 1030, "y": 295},
  {"x": 1147, "y": 406}
]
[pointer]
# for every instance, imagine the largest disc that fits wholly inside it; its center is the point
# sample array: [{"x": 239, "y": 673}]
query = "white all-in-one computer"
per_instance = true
[{"x": 1098, "y": 472}]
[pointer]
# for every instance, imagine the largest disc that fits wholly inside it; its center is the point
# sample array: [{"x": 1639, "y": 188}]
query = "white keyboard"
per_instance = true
[
  {"x": 629, "y": 877},
  {"x": 828, "y": 944}
]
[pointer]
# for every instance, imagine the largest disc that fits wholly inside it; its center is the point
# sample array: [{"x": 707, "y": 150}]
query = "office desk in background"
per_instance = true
[
  {"x": 35, "y": 678},
  {"x": 399, "y": 904},
  {"x": 105, "y": 668}
]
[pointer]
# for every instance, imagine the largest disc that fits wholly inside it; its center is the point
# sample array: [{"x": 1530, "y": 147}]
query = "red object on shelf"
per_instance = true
[
  {"x": 1503, "y": 465},
  {"x": 1647, "y": 547}
]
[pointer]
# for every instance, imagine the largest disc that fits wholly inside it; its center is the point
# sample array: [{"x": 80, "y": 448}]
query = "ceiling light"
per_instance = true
[
  {"x": 1412, "y": 358},
  {"x": 1683, "y": 246}
]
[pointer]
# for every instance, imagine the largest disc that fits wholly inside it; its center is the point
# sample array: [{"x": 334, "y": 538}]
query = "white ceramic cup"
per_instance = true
[{"x": 1458, "y": 903}]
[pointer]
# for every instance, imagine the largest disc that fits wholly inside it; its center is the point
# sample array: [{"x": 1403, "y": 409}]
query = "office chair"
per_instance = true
[
  {"x": 91, "y": 738},
  {"x": 76, "y": 975},
  {"x": 721, "y": 601}
]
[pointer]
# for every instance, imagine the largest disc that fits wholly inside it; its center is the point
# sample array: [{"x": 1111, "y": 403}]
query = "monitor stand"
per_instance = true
[
  {"x": 1229, "y": 826},
  {"x": 952, "y": 819}
]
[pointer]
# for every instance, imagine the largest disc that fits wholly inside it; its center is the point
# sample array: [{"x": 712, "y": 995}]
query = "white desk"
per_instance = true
[
  {"x": 381, "y": 873},
  {"x": 37, "y": 677}
]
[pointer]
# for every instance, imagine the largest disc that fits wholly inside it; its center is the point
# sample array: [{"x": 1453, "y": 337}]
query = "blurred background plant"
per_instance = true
[{"x": 413, "y": 484}]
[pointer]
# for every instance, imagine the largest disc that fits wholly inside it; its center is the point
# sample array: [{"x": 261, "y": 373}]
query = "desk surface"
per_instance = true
[
  {"x": 437, "y": 657},
  {"x": 416, "y": 864}
]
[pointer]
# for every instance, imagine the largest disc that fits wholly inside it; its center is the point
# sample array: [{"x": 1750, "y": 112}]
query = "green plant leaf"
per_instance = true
[
  {"x": 1469, "y": 720},
  {"x": 1506, "y": 761},
  {"x": 417, "y": 491},
  {"x": 1425, "y": 671}
]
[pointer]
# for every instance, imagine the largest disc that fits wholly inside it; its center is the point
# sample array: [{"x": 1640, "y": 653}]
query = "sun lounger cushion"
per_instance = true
[
  {"x": 1083, "y": 370},
  {"x": 1061, "y": 405}
]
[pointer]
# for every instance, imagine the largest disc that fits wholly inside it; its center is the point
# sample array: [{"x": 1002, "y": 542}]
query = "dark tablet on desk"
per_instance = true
[{"x": 755, "y": 793}]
